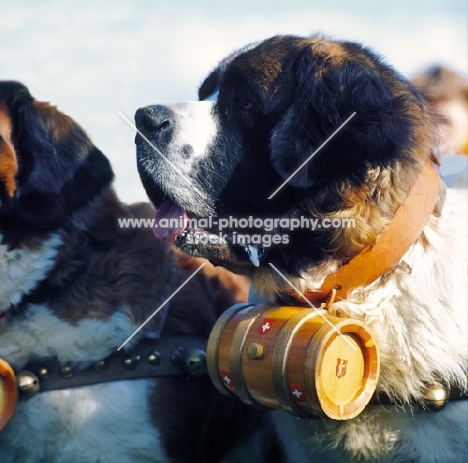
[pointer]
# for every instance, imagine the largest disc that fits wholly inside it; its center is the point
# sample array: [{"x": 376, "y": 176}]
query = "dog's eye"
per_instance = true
[{"x": 243, "y": 104}]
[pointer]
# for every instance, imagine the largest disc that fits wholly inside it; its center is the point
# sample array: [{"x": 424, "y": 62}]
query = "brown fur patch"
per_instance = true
[
  {"x": 222, "y": 287},
  {"x": 370, "y": 206},
  {"x": 124, "y": 269},
  {"x": 8, "y": 163},
  {"x": 328, "y": 51},
  {"x": 61, "y": 127},
  {"x": 373, "y": 203},
  {"x": 131, "y": 271}
]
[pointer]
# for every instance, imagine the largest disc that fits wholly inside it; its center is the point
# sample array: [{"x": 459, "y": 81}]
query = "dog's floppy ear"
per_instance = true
[
  {"x": 9, "y": 91},
  {"x": 333, "y": 81},
  {"x": 50, "y": 209},
  {"x": 59, "y": 169}
]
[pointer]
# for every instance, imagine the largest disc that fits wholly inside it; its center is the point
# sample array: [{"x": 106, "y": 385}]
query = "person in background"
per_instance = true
[{"x": 449, "y": 93}]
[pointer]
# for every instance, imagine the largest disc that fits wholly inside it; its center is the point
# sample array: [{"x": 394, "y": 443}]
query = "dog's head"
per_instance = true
[
  {"x": 48, "y": 167},
  {"x": 265, "y": 111}
]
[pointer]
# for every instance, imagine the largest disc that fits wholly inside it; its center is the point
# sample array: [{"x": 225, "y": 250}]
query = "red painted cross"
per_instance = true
[
  {"x": 297, "y": 391},
  {"x": 226, "y": 378},
  {"x": 266, "y": 326}
]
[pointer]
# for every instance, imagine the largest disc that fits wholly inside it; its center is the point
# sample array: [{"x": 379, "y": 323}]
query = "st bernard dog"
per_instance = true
[
  {"x": 74, "y": 285},
  {"x": 295, "y": 128}
]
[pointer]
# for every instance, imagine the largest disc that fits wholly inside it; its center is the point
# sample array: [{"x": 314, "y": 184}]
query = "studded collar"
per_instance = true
[{"x": 182, "y": 356}]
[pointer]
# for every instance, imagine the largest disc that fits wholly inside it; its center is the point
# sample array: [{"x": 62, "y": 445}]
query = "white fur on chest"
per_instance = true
[
  {"x": 419, "y": 316},
  {"x": 104, "y": 423},
  {"x": 419, "y": 320},
  {"x": 22, "y": 269},
  {"x": 39, "y": 333}
]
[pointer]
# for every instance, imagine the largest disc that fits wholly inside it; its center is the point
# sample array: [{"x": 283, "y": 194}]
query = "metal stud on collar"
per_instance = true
[
  {"x": 101, "y": 366},
  {"x": 154, "y": 358},
  {"x": 66, "y": 371},
  {"x": 43, "y": 373},
  {"x": 131, "y": 362},
  {"x": 435, "y": 397}
]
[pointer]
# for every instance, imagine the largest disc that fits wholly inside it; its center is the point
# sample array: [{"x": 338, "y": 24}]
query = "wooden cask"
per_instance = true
[{"x": 304, "y": 361}]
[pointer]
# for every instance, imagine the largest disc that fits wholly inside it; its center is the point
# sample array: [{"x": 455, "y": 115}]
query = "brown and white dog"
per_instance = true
[
  {"x": 259, "y": 146},
  {"x": 74, "y": 285}
]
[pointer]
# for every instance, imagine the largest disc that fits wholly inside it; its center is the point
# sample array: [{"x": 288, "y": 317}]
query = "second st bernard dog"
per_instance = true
[
  {"x": 312, "y": 128},
  {"x": 74, "y": 285}
]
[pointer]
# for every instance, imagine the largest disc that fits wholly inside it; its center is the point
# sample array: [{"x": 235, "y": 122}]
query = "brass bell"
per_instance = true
[
  {"x": 28, "y": 384},
  {"x": 195, "y": 362},
  {"x": 435, "y": 397}
]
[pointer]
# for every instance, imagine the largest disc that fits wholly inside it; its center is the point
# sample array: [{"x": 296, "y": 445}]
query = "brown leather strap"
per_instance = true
[
  {"x": 391, "y": 244},
  {"x": 167, "y": 356}
]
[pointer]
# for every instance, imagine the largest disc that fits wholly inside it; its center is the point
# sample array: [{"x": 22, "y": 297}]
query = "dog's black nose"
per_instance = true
[{"x": 154, "y": 120}]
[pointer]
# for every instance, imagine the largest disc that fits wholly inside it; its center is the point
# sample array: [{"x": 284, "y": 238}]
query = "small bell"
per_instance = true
[
  {"x": 435, "y": 397},
  {"x": 28, "y": 384}
]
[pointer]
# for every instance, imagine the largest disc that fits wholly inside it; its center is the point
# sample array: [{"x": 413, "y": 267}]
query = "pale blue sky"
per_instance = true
[{"x": 94, "y": 58}]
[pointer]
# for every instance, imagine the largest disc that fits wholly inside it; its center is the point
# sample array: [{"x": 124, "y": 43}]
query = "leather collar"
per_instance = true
[
  {"x": 391, "y": 244},
  {"x": 177, "y": 356}
]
